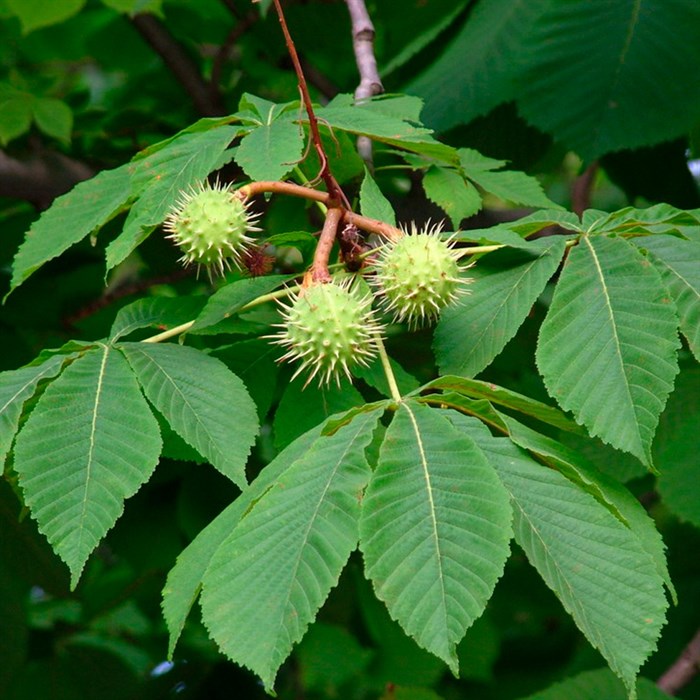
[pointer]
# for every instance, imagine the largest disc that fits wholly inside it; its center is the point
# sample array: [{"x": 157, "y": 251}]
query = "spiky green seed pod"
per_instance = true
[
  {"x": 418, "y": 276},
  {"x": 329, "y": 329},
  {"x": 209, "y": 224}
]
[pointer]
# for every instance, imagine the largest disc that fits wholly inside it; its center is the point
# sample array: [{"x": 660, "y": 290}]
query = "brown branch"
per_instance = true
[
  {"x": 334, "y": 190},
  {"x": 41, "y": 177},
  {"x": 381, "y": 228},
  {"x": 206, "y": 99},
  {"x": 683, "y": 669},
  {"x": 581, "y": 189},
  {"x": 370, "y": 82},
  {"x": 319, "y": 268}
]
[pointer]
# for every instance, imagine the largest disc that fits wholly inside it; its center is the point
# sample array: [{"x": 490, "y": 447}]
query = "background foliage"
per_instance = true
[{"x": 136, "y": 92}]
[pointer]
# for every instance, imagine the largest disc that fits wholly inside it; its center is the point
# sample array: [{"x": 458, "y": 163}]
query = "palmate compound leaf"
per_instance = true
[
  {"x": 202, "y": 400},
  {"x": 597, "y": 567},
  {"x": 268, "y": 580},
  {"x": 435, "y": 529},
  {"x": 506, "y": 284},
  {"x": 607, "y": 348},
  {"x": 89, "y": 443}
]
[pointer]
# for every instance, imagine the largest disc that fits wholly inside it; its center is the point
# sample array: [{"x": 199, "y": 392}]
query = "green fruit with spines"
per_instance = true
[
  {"x": 210, "y": 225},
  {"x": 418, "y": 275},
  {"x": 328, "y": 328}
]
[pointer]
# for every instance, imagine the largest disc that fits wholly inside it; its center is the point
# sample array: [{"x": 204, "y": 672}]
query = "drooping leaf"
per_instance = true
[
  {"x": 73, "y": 216},
  {"x": 627, "y": 50},
  {"x": 162, "y": 312},
  {"x": 231, "y": 298},
  {"x": 475, "y": 388},
  {"x": 89, "y": 443},
  {"x": 161, "y": 176},
  {"x": 435, "y": 529},
  {"x": 506, "y": 284},
  {"x": 271, "y": 150},
  {"x": 606, "y": 490},
  {"x": 478, "y": 69},
  {"x": 205, "y": 404},
  {"x": 452, "y": 193},
  {"x": 266, "y": 583},
  {"x": 678, "y": 261},
  {"x": 373, "y": 203},
  {"x": 600, "y": 683},
  {"x": 676, "y": 449},
  {"x": 16, "y": 386},
  {"x": 594, "y": 563},
  {"x": 185, "y": 578},
  {"x": 607, "y": 348},
  {"x": 423, "y": 38}
]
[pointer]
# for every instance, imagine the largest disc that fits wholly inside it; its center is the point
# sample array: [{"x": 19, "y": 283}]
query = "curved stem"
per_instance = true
[
  {"x": 319, "y": 268},
  {"x": 184, "y": 327},
  {"x": 386, "y": 366}
]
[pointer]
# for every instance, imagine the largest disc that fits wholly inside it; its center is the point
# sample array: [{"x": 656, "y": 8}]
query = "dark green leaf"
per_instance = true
[{"x": 627, "y": 52}]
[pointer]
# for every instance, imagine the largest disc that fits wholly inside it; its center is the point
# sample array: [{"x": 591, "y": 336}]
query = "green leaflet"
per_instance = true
[
  {"x": 16, "y": 387},
  {"x": 435, "y": 529},
  {"x": 160, "y": 177},
  {"x": 597, "y": 567},
  {"x": 87, "y": 207},
  {"x": 266, "y": 583},
  {"x": 606, "y": 490},
  {"x": 90, "y": 442},
  {"x": 452, "y": 193},
  {"x": 479, "y": 66},
  {"x": 204, "y": 402},
  {"x": 506, "y": 284},
  {"x": 607, "y": 348},
  {"x": 676, "y": 449},
  {"x": 185, "y": 578},
  {"x": 678, "y": 261},
  {"x": 623, "y": 50},
  {"x": 231, "y": 298},
  {"x": 162, "y": 312},
  {"x": 373, "y": 203},
  {"x": 476, "y": 389},
  {"x": 271, "y": 150},
  {"x": 597, "y": 684}
]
